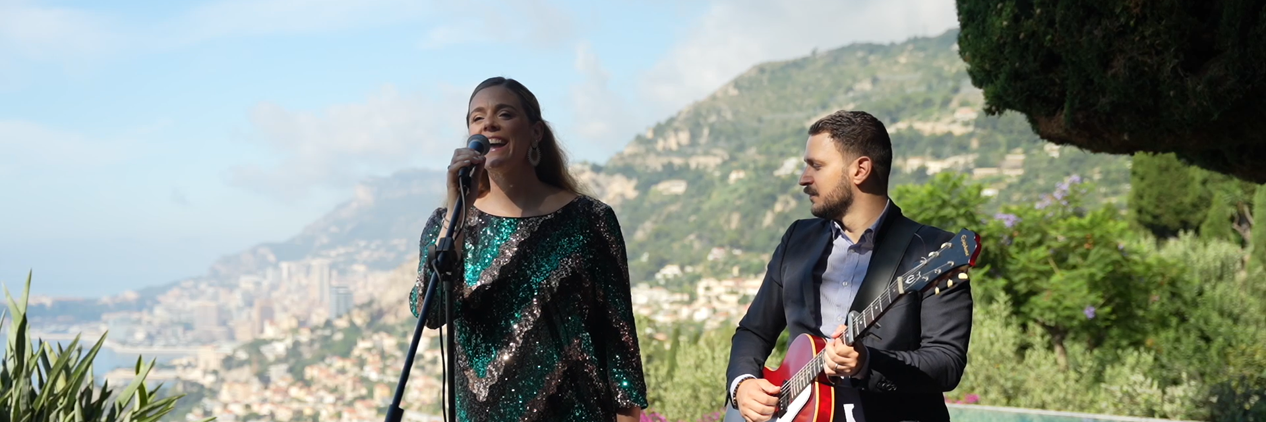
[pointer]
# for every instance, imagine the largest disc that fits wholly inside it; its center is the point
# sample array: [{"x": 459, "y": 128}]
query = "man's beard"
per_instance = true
[{"x": 832, "y": 205}]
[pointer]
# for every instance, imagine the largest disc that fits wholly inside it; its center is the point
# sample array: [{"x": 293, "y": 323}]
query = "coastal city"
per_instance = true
[{"x": 207, "y": 329}]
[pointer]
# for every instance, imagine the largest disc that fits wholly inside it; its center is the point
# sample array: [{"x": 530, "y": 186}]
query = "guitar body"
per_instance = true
[{"x": 817, "y": 402}]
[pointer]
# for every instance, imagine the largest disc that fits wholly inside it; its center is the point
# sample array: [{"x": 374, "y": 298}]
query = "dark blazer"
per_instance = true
[{"x": 922, "y": 346}]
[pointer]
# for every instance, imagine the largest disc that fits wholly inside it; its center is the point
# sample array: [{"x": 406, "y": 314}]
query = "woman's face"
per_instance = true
[{"x": 497, "y": 113}]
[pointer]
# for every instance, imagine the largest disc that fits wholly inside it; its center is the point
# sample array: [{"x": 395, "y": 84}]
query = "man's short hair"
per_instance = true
[{"x": 857, "y": 133}]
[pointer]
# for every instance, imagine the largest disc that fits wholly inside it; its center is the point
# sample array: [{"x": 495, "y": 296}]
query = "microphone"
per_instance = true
[{"x": 480, "y": 144}]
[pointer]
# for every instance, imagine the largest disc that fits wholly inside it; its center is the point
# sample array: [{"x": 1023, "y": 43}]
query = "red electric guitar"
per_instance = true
[{"x": 806, "y": 395}]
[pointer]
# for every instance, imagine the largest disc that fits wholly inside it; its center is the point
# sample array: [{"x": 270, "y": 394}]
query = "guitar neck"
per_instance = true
[{"x": 879, "y": 306}]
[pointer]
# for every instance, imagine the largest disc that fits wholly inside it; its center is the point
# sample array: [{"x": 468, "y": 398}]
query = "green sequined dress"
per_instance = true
[{"x": 544, "y": 316}]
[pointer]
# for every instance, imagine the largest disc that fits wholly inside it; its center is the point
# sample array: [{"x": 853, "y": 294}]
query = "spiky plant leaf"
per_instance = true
[{"x": 40, "y": 381}]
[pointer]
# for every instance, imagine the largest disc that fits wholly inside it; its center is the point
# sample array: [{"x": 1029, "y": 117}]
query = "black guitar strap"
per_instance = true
[
  {"x": 893, "y": 240},
  {"x": 890, "y": 247}
]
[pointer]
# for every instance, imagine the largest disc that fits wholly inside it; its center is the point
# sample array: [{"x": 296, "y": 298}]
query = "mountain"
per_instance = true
[
  {"x": 708, "y": 192},
  {"x": 378, "y": 228}
]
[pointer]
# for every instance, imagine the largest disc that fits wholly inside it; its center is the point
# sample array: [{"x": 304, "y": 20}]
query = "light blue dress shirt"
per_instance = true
[{"x": 845, "y": 269}]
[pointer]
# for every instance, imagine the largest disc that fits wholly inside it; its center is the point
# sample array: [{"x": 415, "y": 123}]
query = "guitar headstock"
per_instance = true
[{"x": 951, "y": 263}]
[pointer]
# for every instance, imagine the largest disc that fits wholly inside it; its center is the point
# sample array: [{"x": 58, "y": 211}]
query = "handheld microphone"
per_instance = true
[{"x": 480, "y": 144}]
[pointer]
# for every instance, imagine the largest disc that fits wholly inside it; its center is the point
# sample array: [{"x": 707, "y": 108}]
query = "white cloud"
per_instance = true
[
  {"x": 346, "y": 143},
  {"x": 603, "y": 119},
  {"x": 535, "y": 23},
  {"x": 235, "y": 18},
  {"x": 735, "y": 35},
  {"x": 53, "y": 32},
  {"x": 64, "y": 32}
]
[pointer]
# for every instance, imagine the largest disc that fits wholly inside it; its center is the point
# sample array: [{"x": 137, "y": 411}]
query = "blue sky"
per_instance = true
[{"x": 140, "y": 141}]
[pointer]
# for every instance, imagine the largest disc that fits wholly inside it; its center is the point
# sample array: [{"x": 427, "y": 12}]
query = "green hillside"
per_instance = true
[{"x": 722, "y": 173}]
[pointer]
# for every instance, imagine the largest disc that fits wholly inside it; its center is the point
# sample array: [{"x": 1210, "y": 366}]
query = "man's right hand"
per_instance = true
[{"x": 756, "y": 399}]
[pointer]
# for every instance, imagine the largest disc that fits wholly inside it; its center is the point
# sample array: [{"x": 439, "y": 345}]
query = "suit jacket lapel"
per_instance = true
[
  {"x": 807, "y": 253},
  {"x": 890, "y": 248}
]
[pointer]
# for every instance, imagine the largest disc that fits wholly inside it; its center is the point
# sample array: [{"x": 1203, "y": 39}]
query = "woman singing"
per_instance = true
[{"x": 543, "y": 314}]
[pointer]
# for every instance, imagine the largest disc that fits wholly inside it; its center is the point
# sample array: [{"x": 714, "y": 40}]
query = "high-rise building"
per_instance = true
[
  {"x": 340, "y": 301},
  {"x": 206, "y": 315},
  {"x": 263, "y": 313},
  {"x": 320, "y": 276},
  {"x": 289, "y": 272}
]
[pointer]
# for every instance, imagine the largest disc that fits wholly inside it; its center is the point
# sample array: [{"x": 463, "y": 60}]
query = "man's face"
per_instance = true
[{"x": 826, "y": 177}]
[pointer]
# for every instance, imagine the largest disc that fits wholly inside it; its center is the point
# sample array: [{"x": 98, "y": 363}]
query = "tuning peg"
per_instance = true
[
  {"x": 962, "y": 276},
  {"x": 949, "y": 284},
  {"x": 938, "y": 290}
]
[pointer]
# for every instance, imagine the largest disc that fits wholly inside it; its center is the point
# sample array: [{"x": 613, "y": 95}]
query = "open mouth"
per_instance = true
[{"x": 496, "y": 143}]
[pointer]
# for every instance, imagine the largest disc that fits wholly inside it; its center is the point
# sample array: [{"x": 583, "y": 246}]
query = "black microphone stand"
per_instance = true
[{"x": 442, "y": 262}]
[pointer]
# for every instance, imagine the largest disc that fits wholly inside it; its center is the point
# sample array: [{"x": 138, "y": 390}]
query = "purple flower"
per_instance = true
[
  {"x": 1074, "y": 179},
  {"x": 1045, "y": 202},
  {"x": 1008, "y": 220},
  {"x": 1061, "y": 190},
  {"x": 971, "y": 399},
  {"x": 1089, "y": 311}
]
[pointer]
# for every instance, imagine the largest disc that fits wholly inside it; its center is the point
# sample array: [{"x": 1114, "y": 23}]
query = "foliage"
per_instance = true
[
  {"x": 1122, "y": 76},
  {"x": 1009, "y": 367},
  {"x": 1169, "y": 197},
  {"x": 1258, "y": 242},
  {"x": 1074, "y": 273},
  {"x": 1165, "y": 198},
  {"x": 1204, "y": 362},
  {"x": 1219, "y": 333},
  {"x": 42, "y": 383},
  {"x": 1066, "y": 269},
  {"x": 685, "y": 369},
  {"x": 948, "y": 201}
]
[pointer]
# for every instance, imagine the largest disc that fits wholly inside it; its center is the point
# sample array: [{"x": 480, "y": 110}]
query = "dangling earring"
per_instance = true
[{"x": 534, "y": 154}]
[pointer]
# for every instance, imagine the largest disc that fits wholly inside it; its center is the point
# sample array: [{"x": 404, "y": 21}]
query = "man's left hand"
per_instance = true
[{"x": 843, "y": 360}]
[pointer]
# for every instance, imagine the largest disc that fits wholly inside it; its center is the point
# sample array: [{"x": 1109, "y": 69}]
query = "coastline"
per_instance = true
[{"x": 88, "y": 340}]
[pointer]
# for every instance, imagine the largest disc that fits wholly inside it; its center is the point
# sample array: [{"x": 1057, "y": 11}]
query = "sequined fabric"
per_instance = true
[{"x": 543, "y": 315}]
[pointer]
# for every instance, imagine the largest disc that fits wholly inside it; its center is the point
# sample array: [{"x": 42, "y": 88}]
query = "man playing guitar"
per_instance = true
[{"x": 827, "y": 268}]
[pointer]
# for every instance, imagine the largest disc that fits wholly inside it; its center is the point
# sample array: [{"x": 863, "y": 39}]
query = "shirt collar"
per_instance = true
[{"x": 837, "y": 231}]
